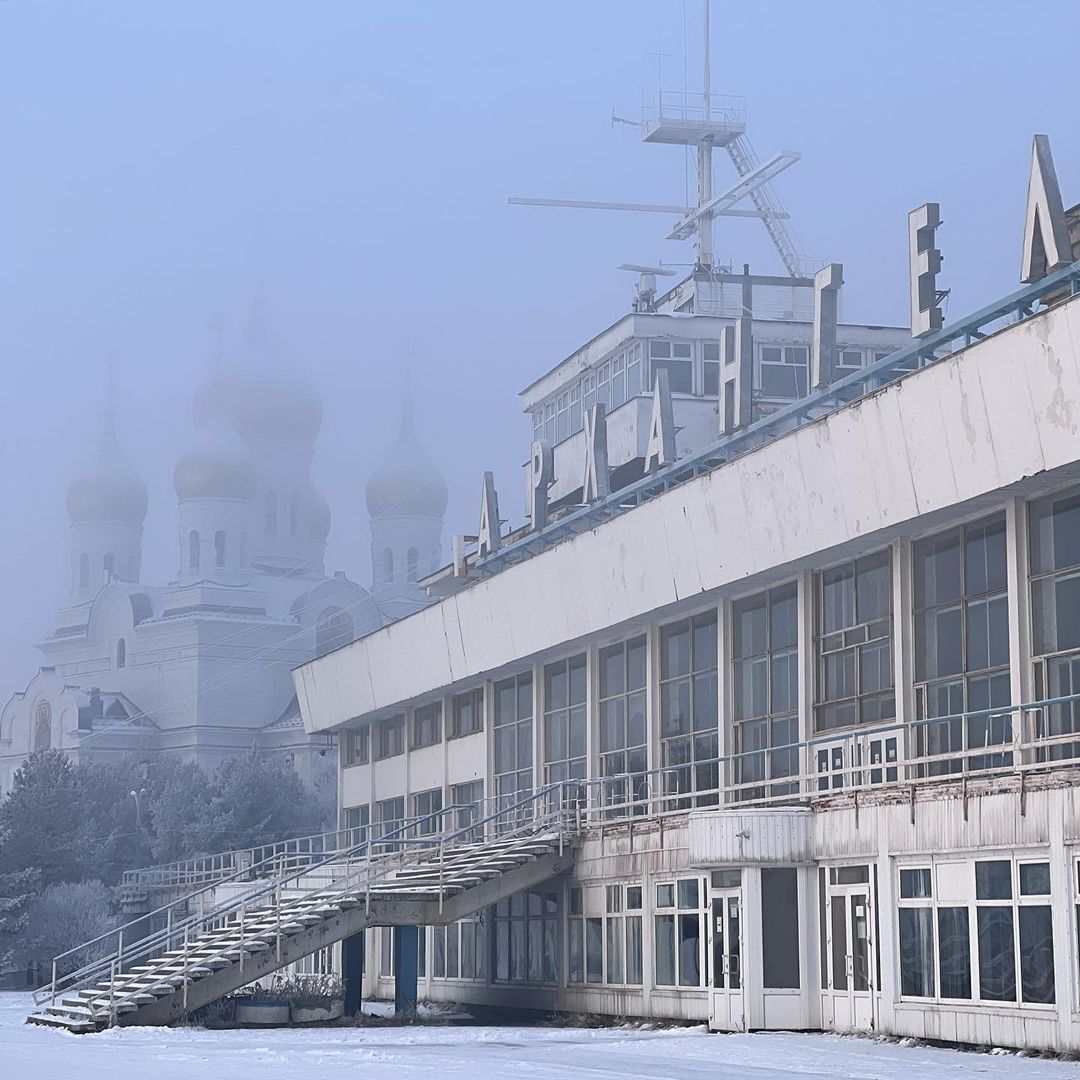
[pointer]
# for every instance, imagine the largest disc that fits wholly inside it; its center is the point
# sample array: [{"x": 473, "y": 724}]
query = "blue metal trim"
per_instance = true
[{"x": 920, "y": 353}]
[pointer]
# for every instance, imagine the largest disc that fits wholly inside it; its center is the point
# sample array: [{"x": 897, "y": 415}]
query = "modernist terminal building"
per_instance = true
[{"x": 796, "y": 644}]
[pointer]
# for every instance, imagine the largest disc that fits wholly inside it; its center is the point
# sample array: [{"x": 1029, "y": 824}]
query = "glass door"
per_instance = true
[
  {"x": 726, "y": 1012},
  {"x": 850, "y": 950}
]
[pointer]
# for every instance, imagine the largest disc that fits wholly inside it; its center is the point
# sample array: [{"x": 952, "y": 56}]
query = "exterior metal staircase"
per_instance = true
[{"x": 423, "y": 873}]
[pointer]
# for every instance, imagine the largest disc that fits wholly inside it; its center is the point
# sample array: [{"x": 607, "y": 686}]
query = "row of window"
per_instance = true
[
  {"x": 977, "y": 931},
  {"x": 782, "y": 372},
  {"x": 968, "y": 931},
  {"x": 110, "y": 569},
  {"x": 961, "y": 663},
  {"x": 386, "y": 738}
]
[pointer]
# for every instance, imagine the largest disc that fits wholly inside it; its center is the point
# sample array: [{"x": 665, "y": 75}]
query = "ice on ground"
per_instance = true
[{"x": 28, "y": 1052}]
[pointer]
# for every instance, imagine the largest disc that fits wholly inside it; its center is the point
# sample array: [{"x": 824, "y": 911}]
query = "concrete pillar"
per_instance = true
[
  {"x": 406, "y": 950},
  {"x": 352, "y": 972}
]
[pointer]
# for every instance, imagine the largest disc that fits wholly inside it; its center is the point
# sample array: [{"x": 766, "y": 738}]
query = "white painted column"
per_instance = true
[
  {"x": 592, "y": 726},
  {"x": 1018, "y": 554},
  {"x": 652, "y": 718},
  {"x": 724, "y": 698},
  {"x": 902, "y": 632},
  {"x": 807, "y": 667}
]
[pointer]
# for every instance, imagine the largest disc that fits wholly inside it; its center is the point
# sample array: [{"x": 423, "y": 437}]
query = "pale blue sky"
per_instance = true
[{"x": 162, "y": 159}]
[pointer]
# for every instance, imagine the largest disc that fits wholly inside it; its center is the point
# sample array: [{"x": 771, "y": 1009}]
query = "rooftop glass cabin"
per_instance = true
[{"x": 680, "y": 333}]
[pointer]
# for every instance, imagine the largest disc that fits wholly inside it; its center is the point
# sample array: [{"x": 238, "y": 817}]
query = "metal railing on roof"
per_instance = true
[{"x": 922, "y": 352}]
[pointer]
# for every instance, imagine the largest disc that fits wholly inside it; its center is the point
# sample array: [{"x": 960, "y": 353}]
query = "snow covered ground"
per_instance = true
[{"x": 479, "y": 1053}]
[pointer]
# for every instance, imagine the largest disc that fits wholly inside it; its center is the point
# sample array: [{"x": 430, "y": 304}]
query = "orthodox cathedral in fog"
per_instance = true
[{"x": 200, "y": 667}]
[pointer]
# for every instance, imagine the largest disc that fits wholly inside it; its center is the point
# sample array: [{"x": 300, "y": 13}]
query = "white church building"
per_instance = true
[{"x": 199, "y": 666}]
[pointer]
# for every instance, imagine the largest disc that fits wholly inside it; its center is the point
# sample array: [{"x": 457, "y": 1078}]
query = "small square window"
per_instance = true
[
  {"x": 915, "y": 884},
  {"x": 993, "y": 880},
  {"x": 614, "y": 899},
  {"x": 665, "y": 895},
  {"x": 575, "y": 901},
  {"x": 659, "y": 349},
  {"x": 1035, "y": 879},
  {"x": 688, "y": 893},
  {"x": 633, "y": 897},
  {"x": 710, "y": 352},
  {"x": 681, "y": 349}
]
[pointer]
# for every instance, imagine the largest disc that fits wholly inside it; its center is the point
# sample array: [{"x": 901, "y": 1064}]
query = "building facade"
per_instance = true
[
  {"x": 199, "y": 667},
  {"x": 811, "y": 695}
]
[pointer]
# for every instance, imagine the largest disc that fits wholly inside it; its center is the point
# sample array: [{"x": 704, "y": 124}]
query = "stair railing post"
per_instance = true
[
  {"x": 243, "y": 905},
  {"x": 183, "y": 971},
  {"x": 442, "y": 849},
  {"x": 112, "y": 993},
  {"x": 168, "y": 928},
  {"x": 277, "y": 921},
  {"x": 120, "y": 948},
  {"x": 53, "y": 1001}
]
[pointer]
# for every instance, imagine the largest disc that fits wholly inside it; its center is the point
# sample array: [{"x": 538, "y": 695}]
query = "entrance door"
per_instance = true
[
  {"x": 851, "y": 952},
  {"x": 726, "y": 1011}
]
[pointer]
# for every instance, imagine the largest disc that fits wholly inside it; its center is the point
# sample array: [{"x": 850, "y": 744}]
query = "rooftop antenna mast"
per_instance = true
[{"x": 681, "y": 119}]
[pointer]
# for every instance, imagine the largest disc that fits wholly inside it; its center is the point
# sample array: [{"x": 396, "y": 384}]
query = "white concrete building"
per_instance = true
[
  {"x": 199, "y": 667},
  {"x": 810, "y": 687}
]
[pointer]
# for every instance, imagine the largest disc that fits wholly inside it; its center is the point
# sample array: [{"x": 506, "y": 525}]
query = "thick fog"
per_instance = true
[{"x": 164, "y": 162}]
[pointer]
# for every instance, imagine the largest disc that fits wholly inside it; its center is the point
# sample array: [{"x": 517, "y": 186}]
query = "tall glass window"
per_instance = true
[
  {"x": 962, "y": 644},
  {"x": 427, "y": 725},
  {"x": 389, "y": 818},
  {"x": 854, "y": 644},
  {"x": 679, "y": 933},
  {"x": 623, "y": 735},
  {"x": 565, "y": 719},
  {"x": 689, "y": 718},
  {"x": 1054, "y": 531},
  {"x": 467, "y": 713},
  {"x": 766, "y": 678},
  {"x": 513, "y": 738},
  {"x": 526, "y": 936}
]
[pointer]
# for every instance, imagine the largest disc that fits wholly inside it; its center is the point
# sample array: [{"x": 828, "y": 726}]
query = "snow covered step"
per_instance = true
[{"x": 76, "y": 1025}]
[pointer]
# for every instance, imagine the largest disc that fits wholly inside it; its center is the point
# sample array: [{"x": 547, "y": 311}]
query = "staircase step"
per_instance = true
[{"x": 76, "y": 1025}]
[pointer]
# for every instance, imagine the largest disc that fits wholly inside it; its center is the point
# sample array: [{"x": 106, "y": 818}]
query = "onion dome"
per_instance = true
[
  {"x": 407, "y": 482},
  {"x": 276, "y": 407},
  {"x": 269, "y": 401},
  {"x": 318, "y": 515},
  {"x": 216, "y": 466},
  {"x": 111, "y": 491}
]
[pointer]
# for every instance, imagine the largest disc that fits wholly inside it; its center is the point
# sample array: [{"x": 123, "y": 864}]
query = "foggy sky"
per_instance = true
[{"x": 161, "y": 161}]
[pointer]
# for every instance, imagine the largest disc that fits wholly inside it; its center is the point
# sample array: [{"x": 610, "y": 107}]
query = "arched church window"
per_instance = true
[
  {"x": 333, "y": 629},
  {"x": 121, "y": 653},
  {"x": 107, "y": 569},
  {"x": 84, "y": 571},
  {"x": 43, "y": 726},
  {"x": 387, "y": 565},
  {"x": 193, "y": 550},
  {"x": 412, "y": 560},
  {"x": 271, "y": 512},
  {"x": 219, "y": 548},
  {"x": 294, "y": 514}
]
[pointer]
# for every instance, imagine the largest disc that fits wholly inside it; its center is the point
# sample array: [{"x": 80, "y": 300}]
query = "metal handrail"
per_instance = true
[
  {"x": 166, "y": 909},
  {"x": 854, "y": 775},
  {"x": 198, "y": 868},
  {"x": 144, "y": 947}
]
